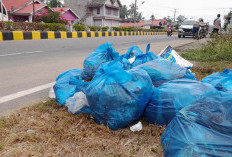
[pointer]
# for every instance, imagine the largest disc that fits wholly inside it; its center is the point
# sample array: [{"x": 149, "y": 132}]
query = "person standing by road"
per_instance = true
[{"x": 217, "y": 24}]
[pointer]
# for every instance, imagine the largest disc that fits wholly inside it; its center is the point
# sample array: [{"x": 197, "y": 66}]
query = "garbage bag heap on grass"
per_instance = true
[
  {"x": 202, "y": 129},
  {"x": 115, "y": 89},
  {"x": 221, "y": 80}
]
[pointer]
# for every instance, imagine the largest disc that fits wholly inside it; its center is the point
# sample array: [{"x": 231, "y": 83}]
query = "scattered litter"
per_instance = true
[
  {"x": 52, "y": 94},
  {"x": 170, "y": 54},
  {"x": 78, "y": 104},
  {"x": 31, "y": 131},
  {"x": 132, "y": 60},
  {"x": 136, "y": 127}
]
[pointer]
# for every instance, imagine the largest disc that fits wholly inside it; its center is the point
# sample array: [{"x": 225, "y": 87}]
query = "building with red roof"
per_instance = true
[
  {"x": 67, "y": 14},
  {"x": 22, "y": 10}
]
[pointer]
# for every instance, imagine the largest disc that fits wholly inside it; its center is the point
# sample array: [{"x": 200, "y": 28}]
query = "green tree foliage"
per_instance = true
[
  {"x": 180, "y": 19},
  {"x": 152, "y": 17},
  {"x": 50, "y": 17},
  {"x": 124, "y": 12},
  {"x": 132, "y": 14},
  {"x": 168, "y": 19},
  {"x": 55, "y": 3}
]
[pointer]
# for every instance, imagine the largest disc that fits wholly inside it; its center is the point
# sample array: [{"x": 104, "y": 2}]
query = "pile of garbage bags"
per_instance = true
[{"x": 117, "y": 90}]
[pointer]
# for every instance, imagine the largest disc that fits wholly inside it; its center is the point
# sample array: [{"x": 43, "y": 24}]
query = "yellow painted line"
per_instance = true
[
  {"x": 127, "y": 33},
  {"x": 1, "y": 37},
  {"x": 63, "y": 34},
  {"x": 112, "y": 34},
  {"x": 84, "y": 34},
  {"x": 139, "y": 33},
  {"x": 36, "y": 35},
  {"x": 18, "y": 35},
  {"x": 135, "y": 33},
  {"x": 51, "y": 35},
  {"x": 142, "y": 33},
  {"x": 123, "y": 34},
  {"x": 74, "y": 34},
  {"x": 106, "y": 34},
  {"x": 99, "y": 34},
  {"x": 92, "y": 34},
  {"x": 118, "y": 34}
]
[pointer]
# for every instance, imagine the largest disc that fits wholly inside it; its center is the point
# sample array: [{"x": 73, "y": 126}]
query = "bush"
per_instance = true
[
  {"x": 94, "y": 28},
  {"x": 54, "y": 26},
  {"x": 105, "y": 29},
  {"x": 2, "y": 26},
  {"x": 50, "y": 17},
  {"x": 79, "y": 27}
]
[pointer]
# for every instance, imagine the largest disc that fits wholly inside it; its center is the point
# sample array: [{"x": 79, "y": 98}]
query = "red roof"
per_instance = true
[
  {"x": 143, "y": 23},
  {"x": 156, "y": 22},
  {"x": 14, "y": 3},
  {"x": 60, "y": 9},
  {"x": 29, "y": 9}
]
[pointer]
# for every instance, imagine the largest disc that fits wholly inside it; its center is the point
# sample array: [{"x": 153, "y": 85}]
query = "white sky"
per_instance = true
[{"x": 207, "y": 9}]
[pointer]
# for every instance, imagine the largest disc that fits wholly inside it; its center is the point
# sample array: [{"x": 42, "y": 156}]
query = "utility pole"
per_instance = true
[
  {"x": 175, "y": 16},
  {"x": 33, "y": 16},
  {"x": 135, "y": 10}
]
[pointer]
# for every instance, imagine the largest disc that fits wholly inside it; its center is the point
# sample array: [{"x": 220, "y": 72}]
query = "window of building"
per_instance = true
[
  {"x": 108, "y": 11},
  {"x": 98, "y": 11},
  {"x": 115, "y": 12}
]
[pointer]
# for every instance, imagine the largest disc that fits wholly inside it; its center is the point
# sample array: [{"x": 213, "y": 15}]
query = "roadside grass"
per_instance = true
[
  {"x": 49, "y": 130},
  {"x": 217, "y": 49}
]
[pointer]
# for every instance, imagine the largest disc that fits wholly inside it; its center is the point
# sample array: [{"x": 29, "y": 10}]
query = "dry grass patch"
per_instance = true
[{"x": 49, "y": 130}]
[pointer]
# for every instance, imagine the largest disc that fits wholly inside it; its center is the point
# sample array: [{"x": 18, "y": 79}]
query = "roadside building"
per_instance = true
[
  {"x": 3, "y": 12},
  {"x": 96, "y": 12},
  {"x": 67, "y": 14},
  {"x": 22, "y": 10}
]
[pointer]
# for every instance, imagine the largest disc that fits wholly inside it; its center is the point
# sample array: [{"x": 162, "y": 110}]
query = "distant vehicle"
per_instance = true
[
  {"x": 3, "y": 13},
  {"x": 186, "y": 29}
]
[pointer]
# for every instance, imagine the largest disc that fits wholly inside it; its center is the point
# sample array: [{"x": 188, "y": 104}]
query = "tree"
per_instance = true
[
  {"x": 168, "y": 19},
  {"x": 152, "y": 17},
  {"x": 124, "y": 12},
  {"x": 55, "y": 3},
  {"x": 133, "y": 14},
  {"x": 180, "y": 19}
]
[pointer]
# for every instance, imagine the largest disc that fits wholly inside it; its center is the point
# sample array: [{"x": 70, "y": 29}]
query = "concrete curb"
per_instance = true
[{"x": 37, "y": 35}]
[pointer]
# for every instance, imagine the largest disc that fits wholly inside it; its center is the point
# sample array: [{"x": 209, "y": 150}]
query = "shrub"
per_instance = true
[
  {"x": 105, "y": 28},
  {"x": 79, "y": 27},
  {"x": 53, "y": 26},
  {"x": 94, "y": 28},
  {"x": 2, "y": 26},
  {"x": 50, "y": 17}
]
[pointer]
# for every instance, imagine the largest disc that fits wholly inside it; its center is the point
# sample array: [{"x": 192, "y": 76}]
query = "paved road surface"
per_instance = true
[{"x": 28, "y": 64}]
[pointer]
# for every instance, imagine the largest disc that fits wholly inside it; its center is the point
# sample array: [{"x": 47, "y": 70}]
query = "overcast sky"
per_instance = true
[{"x": 207, "y": 9}]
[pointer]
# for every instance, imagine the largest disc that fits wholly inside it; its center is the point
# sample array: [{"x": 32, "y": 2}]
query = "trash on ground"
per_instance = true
[
  {"x": 117, "y": 97},
  {"x": 202, "y": 129},
  {"x": 221, "y": 80},
  {"x": 170, "y": 54},
  {"x": 78, "y": 104},
  {"x": 102, "y": 54},
  {"x": 162, "y": 70},
  {"x": 136, "y": 127},
  {"x": 169, "y": 98},
  {"x": 64, "y": 90},
  {"x": 52, "y": 94}
]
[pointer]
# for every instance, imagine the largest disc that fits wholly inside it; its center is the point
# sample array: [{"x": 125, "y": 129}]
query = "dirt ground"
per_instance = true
[{"x": 49, "y": 130}]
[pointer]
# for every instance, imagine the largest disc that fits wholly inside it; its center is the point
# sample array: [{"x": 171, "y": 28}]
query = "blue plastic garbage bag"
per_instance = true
[
  {"x": 221, "y": 80},
  {"x": 162, "y": 70},
  {"x": 169, "y": 98},
  {"x": 101, "y": 55},
  {"x": 144, "y": 58},
  {"x": 214, "y": 112},
  {"x": 63, "y": 90},
  {"x": 185, "y": 138},
  {"x": 117, "y": 97},
  {"x": 132, "y": 51}
]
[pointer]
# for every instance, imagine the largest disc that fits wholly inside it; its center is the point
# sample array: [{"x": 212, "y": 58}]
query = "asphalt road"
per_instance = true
[{"x": 28, "y": 64}]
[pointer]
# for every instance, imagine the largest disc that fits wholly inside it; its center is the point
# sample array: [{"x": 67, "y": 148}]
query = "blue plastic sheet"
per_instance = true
[
  {"x": 162, "y": 70},
  {"x": 172, "y": 96},
  {"x": 117, "y": 97},
  {"x": 221, "y": 80},
  {"x": 101, "y": 55},
  {"x": 64, "y": 90}
]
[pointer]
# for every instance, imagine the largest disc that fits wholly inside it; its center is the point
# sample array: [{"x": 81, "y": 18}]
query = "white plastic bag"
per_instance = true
[
  {"x": 132, "y": 60},
  {"x": 136, "y": 127},
  {"x": 77, "y": 102},
  {"x": 52, "y": 94}
]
